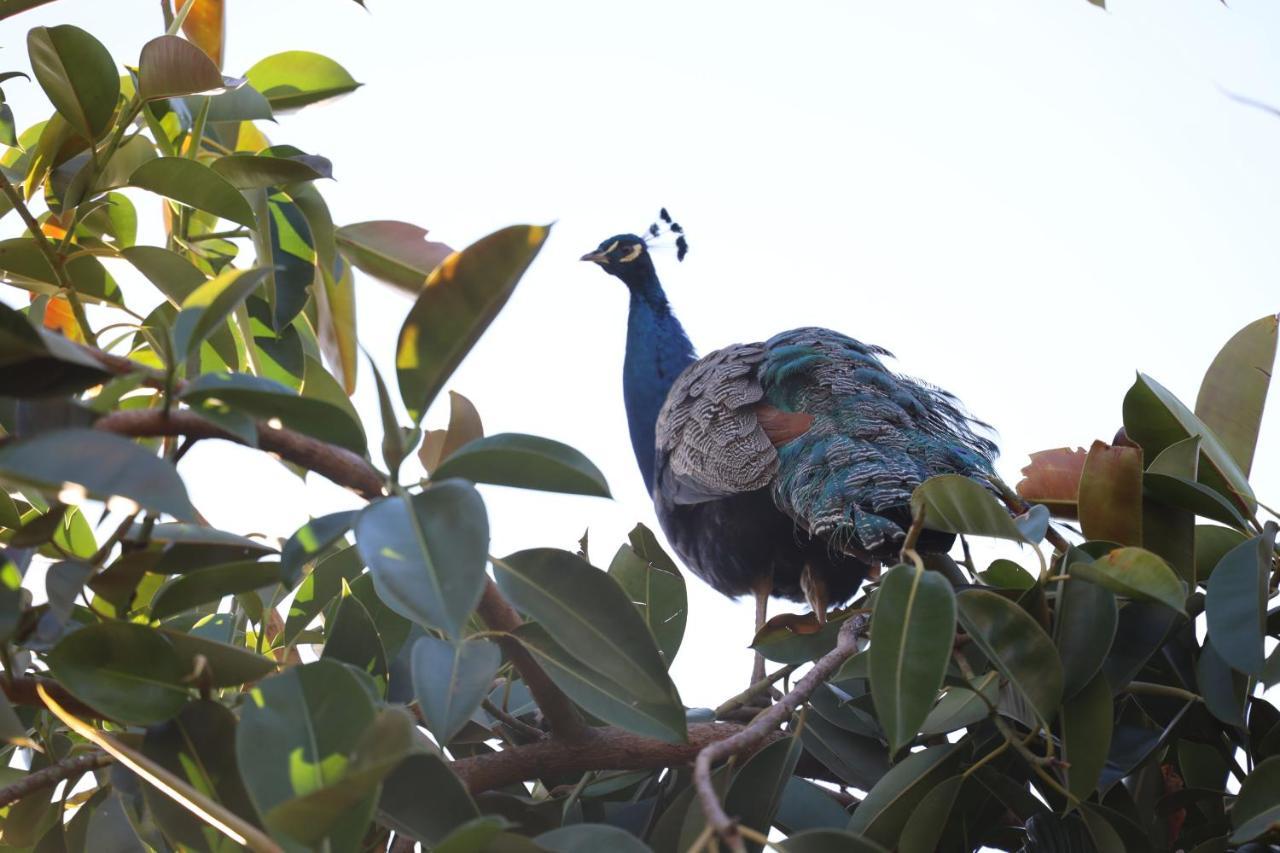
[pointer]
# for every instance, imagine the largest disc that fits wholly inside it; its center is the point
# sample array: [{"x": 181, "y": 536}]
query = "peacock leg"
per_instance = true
[
  {"x": 815, "y": 592},
  {"x": 762, "y": 612}
]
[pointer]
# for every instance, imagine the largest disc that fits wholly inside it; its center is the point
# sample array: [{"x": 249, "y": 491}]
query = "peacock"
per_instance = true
[{"x": 781, "y": 468}]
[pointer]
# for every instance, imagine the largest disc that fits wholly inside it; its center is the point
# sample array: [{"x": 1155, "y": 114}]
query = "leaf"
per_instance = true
[
  {"x": 241, "y": 104},
  {"x": 296, "y": 78},
  {"x": 1187, "y": 494},
  {"x": 195, "y": 185},
  {"x": 310, "y": 540},
  {"x": 1212, "y": 544},
  {"x": 1052, "y": 478},
  {"x": 276, "y": 404},
  {"x": 335, "y": 301},
  {"x": 464, "y": 427},
  {"x": 205, "y": 586},
  {"x": 587, "y": 613},
  {"x": 1016, "y": 645},
  {"x": 450, "y": 679},
  {"x": 931, "y": 818},
  {"x": 353, "y": 639},
  {"x": 1084, "y": 627},
  {"x": 394, "y": 252},
  {"x": 128, "y": 672},
  {"x": 104, "y": 465},
  {"x": 858, "y": 760},
  {"x": 805, "y": 806},
  {"x": 963, "y": 706},
  {"x": 428, "y": 553},
  {"x": 429, "y": 820},
  {"x": 1136, "y": 573},
  {"x": 257, "y": 171},
  {"x": 209, "y": 306},
  {"x": 1236, "y": 602},
  {"x": 1257, "y": 806},
  {"x": 601, "y": 696},
  {"x": 1225, "y": 692},
  {"x": 1234, "y": 390},
  {"x": 525, "y": 462},
  {"x": 913, "y": 633},
  {"x": 35, "y": 363},
  {"x": 798, "y": 638},
  {"x": 588, "y": 838},
  {"x": 206, "y": 25},
  {"x": 885, "y": 810},
  {"x": 171, "y": 273},
  {"x": 658, "y": 594},
  {"x": 320, "y": 587},
  {"x": 460, "y": 298},
  {"x": 1140, "y": 632},
  {"x": 756, "y": 790},
  {"x": 77, "y": 74},
  {"x": 1085, "y": 723},
  {"x": 1110, "y": 501},
  {"x": 829, "y": 841},
  {"x": 170, "y": 66},
  {"x": 953, "y": 503},
  {"x": 227, "y": 665}
]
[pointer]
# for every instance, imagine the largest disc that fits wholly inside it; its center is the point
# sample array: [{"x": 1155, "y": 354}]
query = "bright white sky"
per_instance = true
[{"x": 1026, "y": 201}]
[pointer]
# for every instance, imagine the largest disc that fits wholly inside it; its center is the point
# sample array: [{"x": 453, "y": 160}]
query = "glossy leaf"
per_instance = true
[
  {"x": 858, "y": 760},
  {"x": 351, "y": 637},
  {"x": 394, "y": 252},
  {"x": 310, "y": 540},
  {"x": 335, "y": 301},
  {"x": 258, "y": 171},
  {"x": 954, "y": 503},
  {"x": 961, "y": 706},
  {"x": 464, "y": 427},
  {"x": 1225, "y": 692},
  {"x": 1084, "y": 627},
  {"x": 77, "y": 74},
  {"x": 170, "y": 66},
  {"x": 428, "y": 553},
  {"x": 296, "y": 78},
  {"x": 171, "y": 273},
  {"x": 589, "y": 837},
  {"x": 209, "y": 305},
  {"x": 1236, "y": 602},
  {"x": 460, "y": 298},
  {"x": 1016, "y": 645},
  {"x": 798, "y": 638},
  {"x": 658, "y": 593},
  {"x": 403, "y": 808},
  {"x": 225, "y": 665},
  {"x": 1257, "y": 807},
  {"x": 829, "y": 841},
  {"x": 1196, "y": 497},
  {"x": 1136, "y": 573},
  {"x": 588, "y": 614},
  {"x": 206, "y": 25},
  {"x": 103, "y": 464},
  {"x": 450, "y": 679},
  {"x": 128, "y": 672},
  {"x": 885, "y": 810},
  {"x": 1085, "y": 727},
  {"x": 1212, "y": 544},
  {"x": 913, "y": 632},
  {"x": 195, "y": 185},
  {"x": 756, "y": 790},
  {"x": 320, "y": 587},
  {"x": 525, "y": 462},
  {"x": 35, "y": 363},
  {"x": 1234, "y": 390},
  {"x": 209, "y": 585},
  {"x": 1110, "y": 501}
]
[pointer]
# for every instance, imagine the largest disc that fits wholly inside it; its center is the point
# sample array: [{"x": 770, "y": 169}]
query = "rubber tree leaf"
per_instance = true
[
  {"x": 586, "y": 612},
  {"x": 1052, "y": 478},
  {"x": 1236, "y": 602},
  {"x": 103, "y": 464},
  {"x": 353, "y": 638},
  {"x": 756, "y": 790},
  {"x": 311, "y": 540},
  {"x": 430, "y": 820},
  {"x": 1016, "y": 645},
  {"x": 963, "y": 706},
  {"x": 1225, "y": 691},
  {"x": 450, "y": 679},
  {"x": 1085, "y": 622},
  {"x": 1110, "y": 501},
  {"x": 913, "y": 633},
  {"x": 1257, "y": 806},
  {"x": 171, "y": 273},
  {"x": 1085, "y": 727},
  {"x": 209, "y": 306},
  {"x": 36, "y": 363},
  {"x": 78, "y": 76},
  {"x": 212, "y": 584},
  {"x": 954, "y": 503},
  {"x": 196, "y": 185},
  {"x": 170, "y": 66},
  {"x": 460, "y": 298},
  {"x": 464, "y": 427},
  {"x": 128, "y": 672},
  {"x": 320, "y": 587},
  {"x": 584, "y": 837},
  {"x": 859, "y": 760},
  {"x": 1234, "y": 390},
  {"x": 885, "y": 810},
  {"x": 658, "y": 593},
  {"x": 206, "y": 26},
  {"x": 428, "y": 553},
  {"x": 829, "y": 841},
  {"x": 297, "y": 78},
  {"x": 336, "y": 300},
  {"x": 259, "y": 171},
  {"x": 1212, "y": 544},
  {"x": 243, "y": 103},
  {"x": 226, "y": 665},
  {"x": 1136, "y": 573},
  {"x": 393, "y": 252},
  {"x": 525, "y": 462},
  {"x": 931, "y": 818}
]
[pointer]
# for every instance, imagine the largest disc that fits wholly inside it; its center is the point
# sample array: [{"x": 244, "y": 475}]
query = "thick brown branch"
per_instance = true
[
  {"x": 47, "y": 777},
  {"x": 561, "y": 715},
  {"x": 21, "y": 690},
  {"x": 608, "y": 748},
  {"x": 765, "y": 726},
  {"x": 337, "y": 464}
]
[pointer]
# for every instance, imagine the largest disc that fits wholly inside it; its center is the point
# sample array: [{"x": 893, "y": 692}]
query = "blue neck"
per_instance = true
[{"x": 657, "y": 351}]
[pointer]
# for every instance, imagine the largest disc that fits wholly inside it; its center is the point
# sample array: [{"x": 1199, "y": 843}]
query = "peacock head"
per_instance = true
[{"x": 627, "y": 255}]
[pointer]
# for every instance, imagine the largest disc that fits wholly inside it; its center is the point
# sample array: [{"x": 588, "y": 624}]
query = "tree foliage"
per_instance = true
[{"x": 378, "y": 677}]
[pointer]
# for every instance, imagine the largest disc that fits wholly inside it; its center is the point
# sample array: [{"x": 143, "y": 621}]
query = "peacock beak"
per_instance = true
[{"x": 599, "y": 257}]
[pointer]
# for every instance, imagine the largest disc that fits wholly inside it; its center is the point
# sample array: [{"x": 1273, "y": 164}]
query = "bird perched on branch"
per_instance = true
[{"x": 782, "y": 468}]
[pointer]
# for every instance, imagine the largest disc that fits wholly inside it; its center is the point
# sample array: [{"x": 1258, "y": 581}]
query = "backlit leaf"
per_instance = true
[
  {"x": 658, "y": 593},
  {"x": 205, "y": 586},
  {"x": 1052, "y": 478},
  {"x": 525, "y": 462},
  {"x": 310, "y": 540},
  {"x": 195, "y": 185},
  {"x": 394, "y": 252},
  {"x": 77, "y": 74},
  {"x": 1110, "y": 500},
  {"x": 296, "y": 78},
  {"x": 1234, "y": 390},
  {"x": 171, "y": 66}
]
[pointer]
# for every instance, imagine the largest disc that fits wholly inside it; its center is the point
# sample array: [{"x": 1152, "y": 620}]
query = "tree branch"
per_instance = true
[
  {"x": 21, "y": 690},
  {"x": 47, "y": 777},
  {"x": 764, "y": 726}
]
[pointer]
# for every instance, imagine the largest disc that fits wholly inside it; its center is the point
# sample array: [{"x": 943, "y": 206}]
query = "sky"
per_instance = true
[{"x": 1025, "y": 200}]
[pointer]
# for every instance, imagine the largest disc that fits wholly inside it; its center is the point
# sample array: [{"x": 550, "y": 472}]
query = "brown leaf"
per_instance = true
[
  {"x": 464, "y": 426},
  {"x": 206, "y": 27},
  {"x": 1110, "y": 494},
  {"x": 1053, "y": 479}
]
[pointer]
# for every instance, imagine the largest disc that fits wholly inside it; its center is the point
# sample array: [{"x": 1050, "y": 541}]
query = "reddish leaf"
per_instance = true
[
  {"x": 1053, "y": 479},
  {"x": 206, "y": 27},
  {"x": 1110, "y": 499}
]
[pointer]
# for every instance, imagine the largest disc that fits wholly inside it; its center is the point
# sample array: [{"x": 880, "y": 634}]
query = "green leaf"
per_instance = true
[
  {"x": 858, "y": 760},
  {"x": 353, "y": 639},
  {"x": 913, "y": 631},
  {"x": 1257, "y": 807},
  {"x": 429, "y": 820},
  {"x": 277, "y": 405},
  {"x": 212, "y": 584},
  {"x": 1136, "y": 573},
  {"x": 1225, "y": 691},
  {"x": 1110, "y": 502},
  {"x": 310, "y": 540},
  {"x": 806, "y": 805},
  {"x": 588, "y": 838},
  {"x": 256, "y": 171},
  {"x": 209, "y": 306},
  {"x": 320, "y": 587},
  {"x": 1236, "y": 602},
  {"x": 336, "y": 301},
  {"x": 195, "y": 185},
  {"x": 658, "y": 593},
  {"x": 128, "y": 672},
  {"x": 1234, "y": 390},
  {"x": 228, "y": 666},
  {"x": 931, "y": 818},
  {"x": 600, "y": 695},
  {"x": 77, "y": 74},
  {"x": 885, "y": 810},
  {"x": 394, "y": 252},
  {"x": 954, "y": 503},
  {"x": 1212, "y": 544},
  {"x": 296, "y": 78},
  {"x": 1016, "y": 645},
  {"x": 170, "y": 66},
  {"x": 450, "y": 679},
  {"x": 963, "y": 706},
  {"x": 756, "y": 790},
  {"x": 428, "y": 553},
  {"x": 829, "y": 841},
  {"x": 1086, "y": 722},
  {"x": 1084, "y": 626},
  {"x": 103, "y": 464},
  {"x": 780, "y": 641},
  {"x": 587, "y": 613},
  {"x": 35, "y": 363},
  {"x": 1190, "y": 495},
  {"x": 243, "y": 103},
  {"x": 525, "y": 462},
  {"x": 171, "y": 273},
  {"x": 460, "y": 298}
]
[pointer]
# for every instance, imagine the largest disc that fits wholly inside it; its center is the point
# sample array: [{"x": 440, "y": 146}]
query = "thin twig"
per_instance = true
[
  {"x": 755, "y": 690},
  {"x": 512, "y": 722},
  {"x": 764, "y": 725},
  {"x": 47, "y": 777}
]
